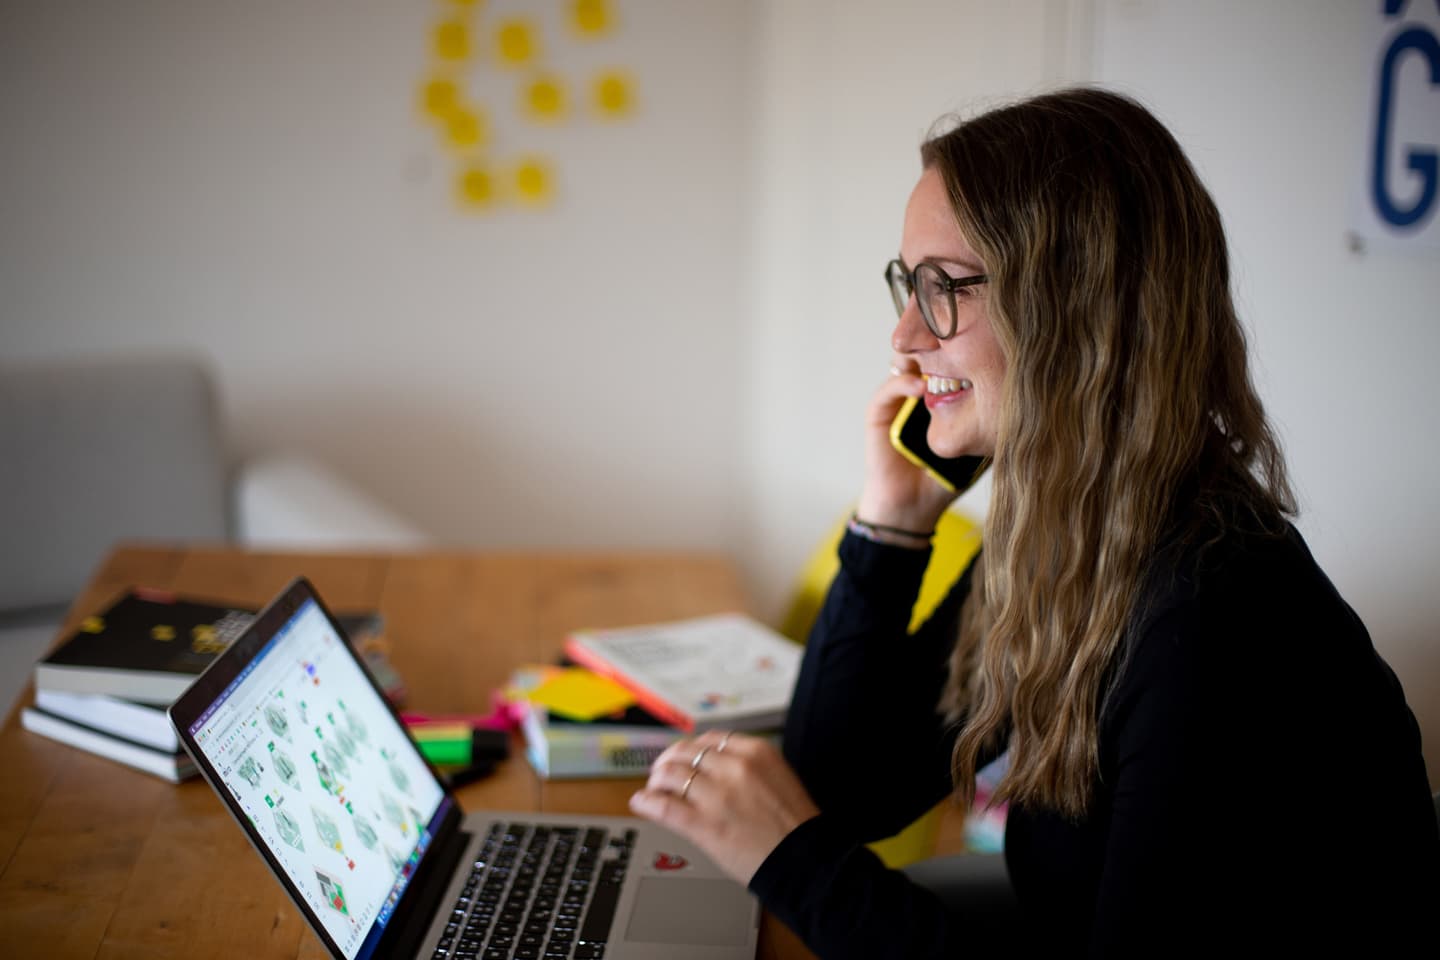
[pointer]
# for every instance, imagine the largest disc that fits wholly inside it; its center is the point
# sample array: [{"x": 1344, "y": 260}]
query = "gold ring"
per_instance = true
[
  {"x": 695, "y": 764},
  {"x": 720, "y": 747},
  {"x": 685, "y": 790}
]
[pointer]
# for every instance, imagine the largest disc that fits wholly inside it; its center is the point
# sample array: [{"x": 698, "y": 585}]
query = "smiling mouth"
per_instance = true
[{"x": 939, "y": 386}]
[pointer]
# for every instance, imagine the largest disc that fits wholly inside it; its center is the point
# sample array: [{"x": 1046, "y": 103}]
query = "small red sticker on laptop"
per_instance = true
[{"x": 670, "y": 861}]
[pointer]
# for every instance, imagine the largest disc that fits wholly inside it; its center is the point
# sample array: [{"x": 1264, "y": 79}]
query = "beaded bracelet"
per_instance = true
[{"x": 894, "y": 536}]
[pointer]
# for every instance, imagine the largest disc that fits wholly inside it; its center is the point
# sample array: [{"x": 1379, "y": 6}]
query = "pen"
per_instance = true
[
  {"x": 457, "y": 744},
  {"x": 470, "y": 774},
  {"x": 412, "y": 718}
]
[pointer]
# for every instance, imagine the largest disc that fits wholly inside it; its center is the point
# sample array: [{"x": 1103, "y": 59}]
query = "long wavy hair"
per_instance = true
[{"x": 1127, "y": 418}]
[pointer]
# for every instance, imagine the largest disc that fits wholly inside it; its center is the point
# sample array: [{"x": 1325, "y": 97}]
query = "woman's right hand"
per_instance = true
[{"x": 897, "y": 493}]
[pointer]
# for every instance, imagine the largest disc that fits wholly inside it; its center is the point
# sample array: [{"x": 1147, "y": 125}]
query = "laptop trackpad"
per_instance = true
[{"x": 701, "y": 912}]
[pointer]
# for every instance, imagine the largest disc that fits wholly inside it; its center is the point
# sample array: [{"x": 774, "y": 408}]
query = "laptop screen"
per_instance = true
[{"x": 332, "y": 784}]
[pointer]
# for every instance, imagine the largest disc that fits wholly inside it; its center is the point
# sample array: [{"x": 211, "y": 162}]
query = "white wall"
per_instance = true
[
  {"x": 680, "y": 352},
  {"x": 251, "y": 181},
  {"x": 850, "y": 90}
]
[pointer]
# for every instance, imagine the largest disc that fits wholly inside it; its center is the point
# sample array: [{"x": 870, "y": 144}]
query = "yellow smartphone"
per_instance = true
[{"x": 907, "y": 436}]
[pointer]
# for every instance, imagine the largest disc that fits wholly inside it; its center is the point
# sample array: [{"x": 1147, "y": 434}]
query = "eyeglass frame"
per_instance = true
[{"x": 947, "y": 283}]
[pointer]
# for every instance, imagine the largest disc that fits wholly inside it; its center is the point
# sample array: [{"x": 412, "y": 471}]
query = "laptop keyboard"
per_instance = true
[{"x": 538, "y": 892}]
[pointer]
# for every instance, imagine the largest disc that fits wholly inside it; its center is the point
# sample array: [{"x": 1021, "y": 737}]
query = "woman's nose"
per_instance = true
[{"x": 911, "y": 334}]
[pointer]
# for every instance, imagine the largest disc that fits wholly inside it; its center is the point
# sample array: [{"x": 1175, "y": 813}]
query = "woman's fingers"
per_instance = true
[
  {"x": 904, "y": 363},
  {"x": 885, "y": 402},
  {"x": 678, "y": 769},
  {"x": 895, "y": 491},
  {"x": 668, "y": 808},
  {"x": 710, "y": 739},
  {"x": 733, "y": 796},
  {"x": 675, "y": 796}
]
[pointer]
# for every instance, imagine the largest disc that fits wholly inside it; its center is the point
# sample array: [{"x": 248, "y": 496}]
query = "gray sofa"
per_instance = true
[{"x": 96, "y": 452}]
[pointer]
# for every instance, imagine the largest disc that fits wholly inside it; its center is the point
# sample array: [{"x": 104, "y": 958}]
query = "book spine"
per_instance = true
[
  {"x": 145, "y": 725},
  {"x": 604, "y": 755},
  {"x": 647, "y": 698},
  {"x": 132, "y": 755},
  {"x": 584, "y": 751},
  {"x": 157, "y": 689},
  {"x": 574, "y": 760}
]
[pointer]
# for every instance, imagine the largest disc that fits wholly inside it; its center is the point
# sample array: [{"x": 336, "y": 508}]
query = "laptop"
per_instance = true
[{"x": 292, "y": 733}]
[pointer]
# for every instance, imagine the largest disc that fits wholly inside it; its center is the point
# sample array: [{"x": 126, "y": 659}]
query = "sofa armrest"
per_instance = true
[{"x": 292, "y": 502}]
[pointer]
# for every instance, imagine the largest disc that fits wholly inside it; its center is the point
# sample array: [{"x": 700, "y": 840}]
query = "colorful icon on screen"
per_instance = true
[{"x": 332, "y": 892}]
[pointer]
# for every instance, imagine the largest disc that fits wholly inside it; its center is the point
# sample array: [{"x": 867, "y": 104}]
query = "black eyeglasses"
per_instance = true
[{"x": 934, "y": 291}]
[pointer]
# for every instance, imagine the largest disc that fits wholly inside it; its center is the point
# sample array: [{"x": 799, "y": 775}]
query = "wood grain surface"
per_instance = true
[{"x": 97, "y": 860}]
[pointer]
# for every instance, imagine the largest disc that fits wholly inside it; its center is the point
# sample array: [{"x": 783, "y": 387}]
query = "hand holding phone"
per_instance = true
[{"x": 907, "y": 436}]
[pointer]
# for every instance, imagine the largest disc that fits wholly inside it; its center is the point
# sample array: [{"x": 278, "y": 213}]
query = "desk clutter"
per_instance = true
[
  {"x": 465, "y": 748},
  {"x": 454, "y": 645},
  {"x": 107, "y": 687},
  {"x": 565, "y": 740},
  {"x": 726, "y": 671},
  {"x": 642, "y": 688}
]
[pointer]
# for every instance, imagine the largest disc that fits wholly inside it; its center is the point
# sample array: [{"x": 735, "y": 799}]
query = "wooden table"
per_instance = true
[{"x": 99, "y": 861}]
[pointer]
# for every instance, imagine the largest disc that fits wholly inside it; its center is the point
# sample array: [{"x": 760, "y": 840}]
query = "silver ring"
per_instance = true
[
  {"x": 695, "y": 764},
  {"x": 894, "y": 370},
  {"x": 720, "y": 747},
  {"x": 685, "y": 790}
]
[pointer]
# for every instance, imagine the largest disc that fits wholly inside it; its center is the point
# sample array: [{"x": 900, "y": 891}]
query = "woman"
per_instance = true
[{"x": 1206, "y": 753}]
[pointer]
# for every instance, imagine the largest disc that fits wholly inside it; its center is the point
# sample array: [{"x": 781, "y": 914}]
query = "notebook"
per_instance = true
[{"x": 316, "y": 768}]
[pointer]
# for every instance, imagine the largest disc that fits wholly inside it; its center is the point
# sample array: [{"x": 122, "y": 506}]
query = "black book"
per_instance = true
[
  {"x": 147, "y": 647},
  {"x": 150, "y": 645}
]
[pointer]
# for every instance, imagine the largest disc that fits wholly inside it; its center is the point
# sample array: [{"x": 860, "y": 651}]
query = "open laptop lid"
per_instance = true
[{"x": 296, "y": 738}]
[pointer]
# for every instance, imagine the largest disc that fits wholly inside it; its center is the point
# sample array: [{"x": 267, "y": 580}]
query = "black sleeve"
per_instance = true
[
  {"x": 863, "y": 731},
  {"x": 843, "y": 903},
  {"x": 864, "y": 735}
]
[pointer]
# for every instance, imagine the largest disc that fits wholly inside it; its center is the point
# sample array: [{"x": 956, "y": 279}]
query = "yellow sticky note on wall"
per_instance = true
[
  {"x": 477, "y": 186},
  {"x": 452, "y": 40},
  {"x": 613, "y": 94},
  {"x": 466, "y": 127},
  {"x": 544, "y": 98},
  {"x": 440, "y": 97},
  {"x": 592, "y": 17},
  {"x": 517, "y": 42},
  {"x": 534, "y": 183},
  {"x": 581, "y": 695}
]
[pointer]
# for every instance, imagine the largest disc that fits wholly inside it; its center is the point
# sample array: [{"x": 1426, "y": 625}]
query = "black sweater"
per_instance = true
[{"x": 1260, "y": 778}]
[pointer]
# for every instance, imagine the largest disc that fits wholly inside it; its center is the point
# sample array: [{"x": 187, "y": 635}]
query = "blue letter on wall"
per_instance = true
[{"x": 1422, "y": 162}]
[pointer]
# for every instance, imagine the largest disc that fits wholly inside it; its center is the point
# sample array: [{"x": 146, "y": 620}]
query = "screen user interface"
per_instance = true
[{"x": 330, "y": 782}]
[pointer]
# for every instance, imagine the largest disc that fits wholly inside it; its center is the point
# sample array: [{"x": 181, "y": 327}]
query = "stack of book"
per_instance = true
[
  {"x": 106, "y": 689},
  {"x": 624, "y": 744},
  {"x": 726, "y": 672}
]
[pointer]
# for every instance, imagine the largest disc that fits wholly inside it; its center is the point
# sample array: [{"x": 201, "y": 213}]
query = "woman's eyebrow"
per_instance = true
[{"x": 972, "y": 265}]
